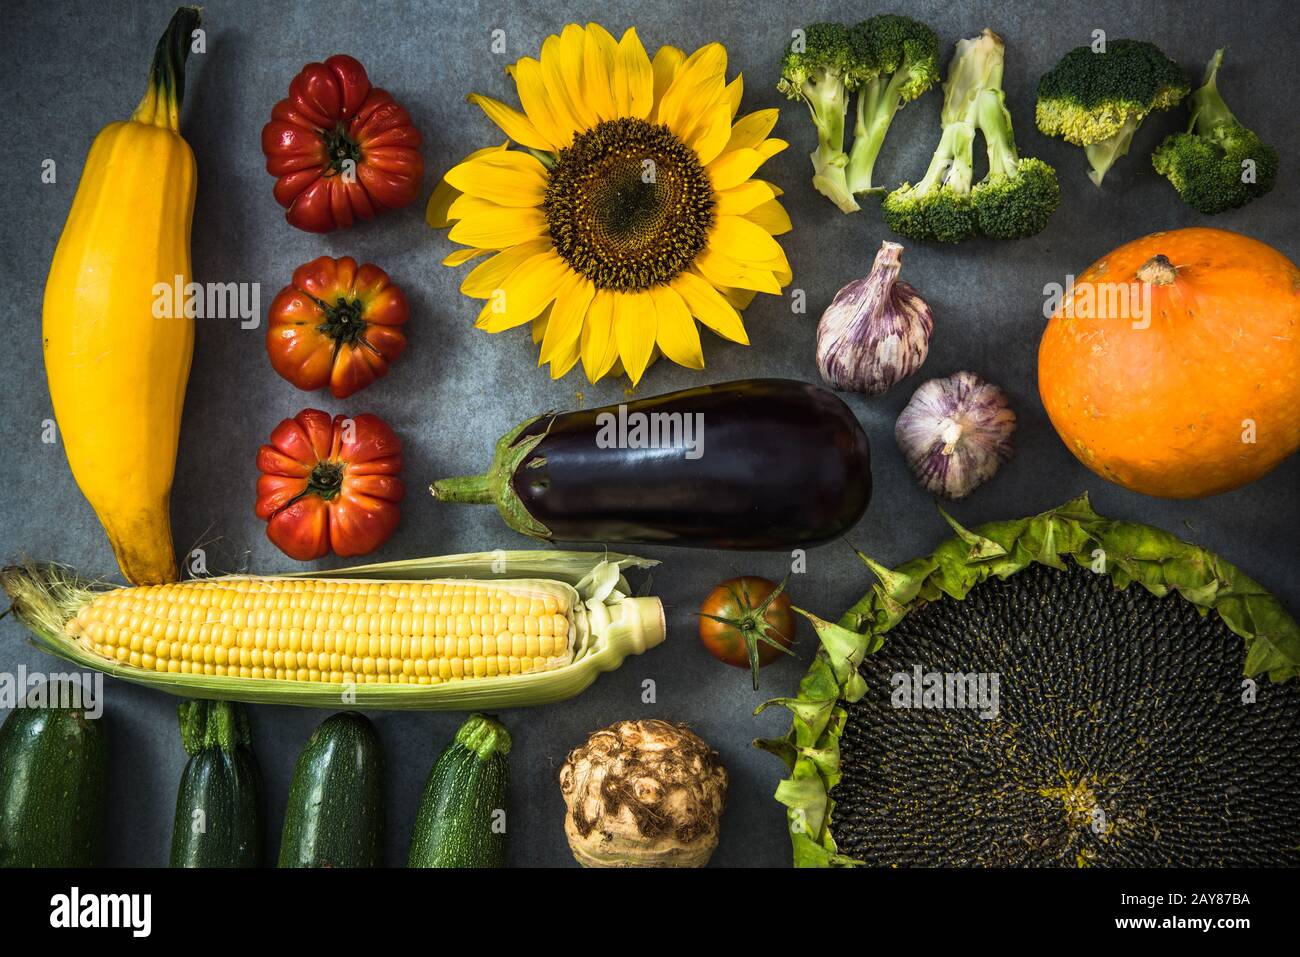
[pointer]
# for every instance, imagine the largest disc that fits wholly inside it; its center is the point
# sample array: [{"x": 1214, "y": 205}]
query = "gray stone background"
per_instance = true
[{"x": 69, "y": 68}]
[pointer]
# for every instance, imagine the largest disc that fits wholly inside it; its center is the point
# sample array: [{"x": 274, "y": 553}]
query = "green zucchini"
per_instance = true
[
  {"x": 335, "y": 816},
  {"x": 218, "y": 820},
  {"x": 461, "y": 820},
  {"x": 51, "y": 788}
]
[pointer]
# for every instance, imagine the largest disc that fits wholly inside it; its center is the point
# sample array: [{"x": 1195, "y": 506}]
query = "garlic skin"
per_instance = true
[
  {"x": 876, "y": 330},
  {"x": 955, "y": 433}
]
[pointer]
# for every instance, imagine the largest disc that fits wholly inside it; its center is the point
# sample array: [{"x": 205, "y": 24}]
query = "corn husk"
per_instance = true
[{"x": 612, "y": 625}]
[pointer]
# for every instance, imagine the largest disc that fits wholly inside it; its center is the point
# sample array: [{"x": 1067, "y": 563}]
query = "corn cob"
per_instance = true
[
  {"x": 402, "y": 640},
  {"x": 335, "y": 631}
]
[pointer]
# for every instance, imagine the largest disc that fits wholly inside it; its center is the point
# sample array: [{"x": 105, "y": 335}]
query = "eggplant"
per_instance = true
[{"x": 760, "y": 463}]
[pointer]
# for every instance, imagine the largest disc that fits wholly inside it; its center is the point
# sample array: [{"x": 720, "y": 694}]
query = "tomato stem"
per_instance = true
[
  {"x": 341, "y": 149},
  {"x": 754, "y": 627},
  {"x": 345, "y": 320},
  {"x": 326, "y": 480}
]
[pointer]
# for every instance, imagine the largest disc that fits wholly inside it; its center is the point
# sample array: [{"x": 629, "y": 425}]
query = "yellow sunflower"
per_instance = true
[{"x": 628, "y": 211}]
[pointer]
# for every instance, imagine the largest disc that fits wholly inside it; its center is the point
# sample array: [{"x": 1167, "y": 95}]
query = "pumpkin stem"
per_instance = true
[{"x": 1157, "y": 271}]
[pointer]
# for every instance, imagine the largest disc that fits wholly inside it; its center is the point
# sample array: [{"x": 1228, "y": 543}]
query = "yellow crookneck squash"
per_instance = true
[{"x": 116, "y": 360}]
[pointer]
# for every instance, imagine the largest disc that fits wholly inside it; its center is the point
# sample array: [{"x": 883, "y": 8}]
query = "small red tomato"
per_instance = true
[
  {"x": 340, "y": 149},
  {"x": 330, "y": 486},
  {"x": 747, "y": 622},
  {"x": 336, "y": 325}
]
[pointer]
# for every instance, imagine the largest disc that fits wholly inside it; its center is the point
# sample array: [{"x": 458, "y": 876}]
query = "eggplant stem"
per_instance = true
[{"x": 466, "y": 489}]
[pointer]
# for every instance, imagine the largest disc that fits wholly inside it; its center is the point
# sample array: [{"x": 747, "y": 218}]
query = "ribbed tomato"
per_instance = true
[
  {"x": 330, "y": 486},
  {"x": 340, "y": 149},
  {"x": 336, "y": 325}
]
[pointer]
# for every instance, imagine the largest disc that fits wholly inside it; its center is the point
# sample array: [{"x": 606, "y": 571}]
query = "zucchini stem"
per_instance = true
[
  {"x": 209, "y": 725},
  {"x": 483, "y": 735}
]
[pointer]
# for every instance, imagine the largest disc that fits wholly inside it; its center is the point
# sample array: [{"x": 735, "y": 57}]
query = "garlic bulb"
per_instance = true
[
  {"x": 875, "y": 331},
  {"x": 955, "y": 432}
]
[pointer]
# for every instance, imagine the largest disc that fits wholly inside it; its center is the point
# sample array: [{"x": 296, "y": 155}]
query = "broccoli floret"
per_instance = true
[
  {"x": 821, "y": 67},
  {"x": 938, "y": 208},
  {"x": 898, "y": 58},
  {"x": 1018, "y": 196},
  {"x": 1098, "y": 100},
  {"x": 1217, "y": 164}
]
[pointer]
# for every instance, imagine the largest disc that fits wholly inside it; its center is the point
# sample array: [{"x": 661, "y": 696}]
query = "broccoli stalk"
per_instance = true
[
  {"x": 1218, "y": 164},
  {"x": 828, "y": 104},
  {"x": 1209, "y": 111},
  {"x": 818, "y": 68},
  {"x": 878, "y": 101},
  {"x": 938, "y": 208},
  {"x": 897, "y": 59},
  {"x": 1103, "y": 153},
  {"x": 1017, "y": 196}
]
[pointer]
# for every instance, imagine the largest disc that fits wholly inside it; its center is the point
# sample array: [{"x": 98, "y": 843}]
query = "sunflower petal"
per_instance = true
[
  {"x": 566, "y": 117},
  {"x": 633, "y": 77},
  {"x": 487, "y": 277},
  {"x": 513, "y": 123},
  {"x": 567, "y": 315},
  {"x": 740, "y": 298},
  {"x": 550, "y": 119},
  {"x": 751, "y": 129},
  {"x": 461, "y": 256},
  {"x": 741, "y": 199},
  {"x": 771, "y": 215},
  {"x": 635, "y": 324},
  {"x": 734, "y": 167},
  {"x": 539, "y": 325},
  {"x": 599, "y": 348},
  {"x": 712, "y": 134},
  {"x": 694, "y": 90},
  {"x": 497, "y": 228},
  {"x": 721, "y": 270},
  {"x": 507, "y": 177},
  {"x": 742, "y": 240},
  {"x": 709, "y": 306},
  {"x": 464, "y": 206},
  {"x": 668, "y": 60},
  {"x": 524, "y": 294},
  {"x": 676, "y": 334},
  {"x": 597, "y": 71},
  {"x": 562, "y": 69},
  {"x": 562, "y": 363},
  {"x": 444, "y": 194},
  {"x": 736, "y": 90}
]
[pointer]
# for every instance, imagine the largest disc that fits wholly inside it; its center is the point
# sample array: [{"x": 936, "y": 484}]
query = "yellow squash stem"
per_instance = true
[{"x": 117, "y": 337}]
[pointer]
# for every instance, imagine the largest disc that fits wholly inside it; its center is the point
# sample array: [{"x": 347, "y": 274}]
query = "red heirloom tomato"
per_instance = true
[
  {"x": 336, "y": 325},
  {"x": 341, "y": 149},
  {"x": 330, "y": 486}
]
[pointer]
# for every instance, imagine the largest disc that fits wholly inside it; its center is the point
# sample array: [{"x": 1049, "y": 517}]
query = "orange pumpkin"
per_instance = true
[{"x": 1173, "y": 365}]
